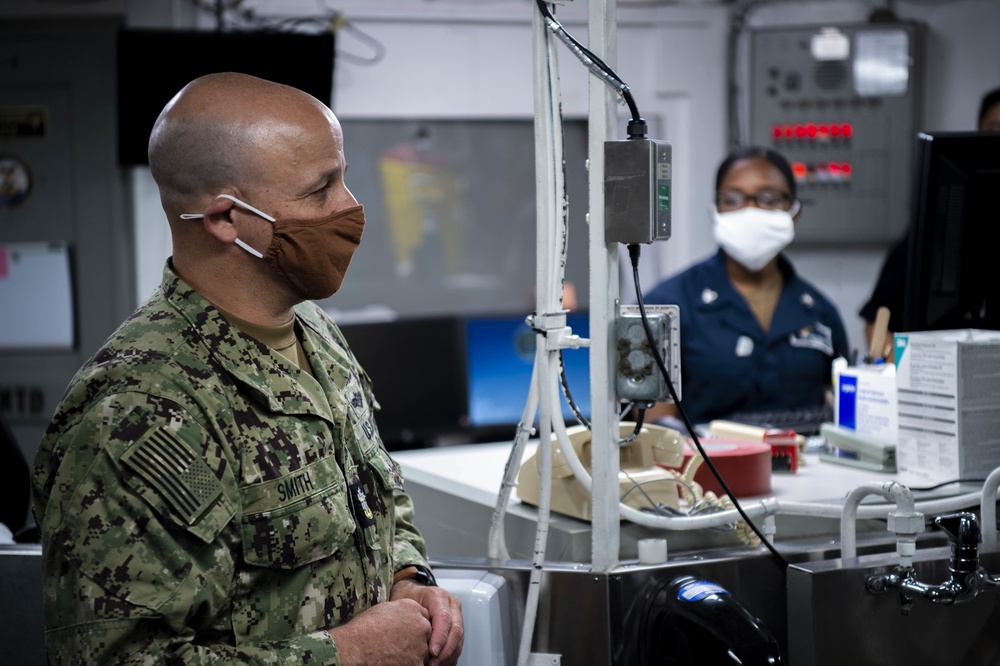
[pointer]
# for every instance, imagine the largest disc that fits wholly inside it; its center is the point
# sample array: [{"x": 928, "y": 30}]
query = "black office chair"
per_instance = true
[
  {"x": 16, "y": 477},
  {"x": 22, "y": 623}
]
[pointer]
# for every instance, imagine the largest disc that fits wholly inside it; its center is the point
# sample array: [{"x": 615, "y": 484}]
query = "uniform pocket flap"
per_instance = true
[{"x": 296, "y": 519}]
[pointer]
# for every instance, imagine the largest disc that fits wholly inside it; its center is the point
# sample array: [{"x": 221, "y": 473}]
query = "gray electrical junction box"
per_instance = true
[
  {"x": 637, "y": 195},
  {"x": 637, "y": 375}
]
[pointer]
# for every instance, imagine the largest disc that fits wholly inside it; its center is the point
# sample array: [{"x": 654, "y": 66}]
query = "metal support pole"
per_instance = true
[{"x": 603, "y": 118}]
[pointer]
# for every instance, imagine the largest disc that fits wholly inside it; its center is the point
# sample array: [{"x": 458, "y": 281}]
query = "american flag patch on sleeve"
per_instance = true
[{"x": 175, "y": 472}]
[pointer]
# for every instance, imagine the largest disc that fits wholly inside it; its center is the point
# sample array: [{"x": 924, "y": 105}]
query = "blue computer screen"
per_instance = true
[{"x": 501, "y": 354}]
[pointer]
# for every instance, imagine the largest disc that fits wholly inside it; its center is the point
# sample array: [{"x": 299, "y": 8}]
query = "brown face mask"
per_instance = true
[{"x": 312, "y": 255}]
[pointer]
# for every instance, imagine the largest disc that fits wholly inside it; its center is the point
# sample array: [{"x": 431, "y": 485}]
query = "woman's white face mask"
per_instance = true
[{"x": 754, "y": 236}]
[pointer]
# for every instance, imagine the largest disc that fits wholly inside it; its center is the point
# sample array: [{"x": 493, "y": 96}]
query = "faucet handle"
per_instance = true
[
  {"x": 962, "y": 528},
  {"x": 963, "y": 531}
]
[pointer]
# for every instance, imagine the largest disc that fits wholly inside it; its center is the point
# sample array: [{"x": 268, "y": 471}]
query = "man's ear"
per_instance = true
[{"x": 218, "y": 220}]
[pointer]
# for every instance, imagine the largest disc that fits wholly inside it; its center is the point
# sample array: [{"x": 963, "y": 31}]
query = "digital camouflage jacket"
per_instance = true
[{"x": 203, "y": 501}]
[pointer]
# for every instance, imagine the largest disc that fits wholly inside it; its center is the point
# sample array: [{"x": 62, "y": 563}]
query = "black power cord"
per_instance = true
[
  {"x": 633, "y": 252},
  {"x": 595, "y": 64},
  {"x": 637, "y": 130}
]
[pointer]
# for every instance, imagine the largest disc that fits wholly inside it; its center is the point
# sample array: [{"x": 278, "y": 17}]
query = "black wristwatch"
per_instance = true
[{"x": 423, "y": 576}]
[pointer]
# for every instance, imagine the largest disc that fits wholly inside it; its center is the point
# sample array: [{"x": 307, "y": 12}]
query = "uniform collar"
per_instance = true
[
  {"x": 246, "y": 359},
  {"x": 718, "y": 264},
  {"x": 797, "y": 305}
]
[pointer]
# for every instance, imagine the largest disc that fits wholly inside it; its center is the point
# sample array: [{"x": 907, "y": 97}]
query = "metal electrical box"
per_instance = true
[
  {"x": 637, "y": 179},
  {"x": 638, "y": 377},
  {"x": 840, "y": 102}
]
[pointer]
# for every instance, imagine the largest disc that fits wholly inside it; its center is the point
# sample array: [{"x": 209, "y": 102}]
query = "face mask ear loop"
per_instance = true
[
  {"x": 195, "y": 216},
  {"x": 249, "y": 249},
  {"x": 247, "y": 206},
  {"x": 796, "y": 207},
  {"x": 241, "y": 204}
]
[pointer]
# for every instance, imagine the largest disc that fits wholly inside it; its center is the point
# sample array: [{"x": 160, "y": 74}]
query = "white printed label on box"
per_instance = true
[
  {"x": 929, "y": 366},
  {"x": 866, "y": 402},
  {"x": 949, "y": 389},
  {"x": 926, "y": 456}
]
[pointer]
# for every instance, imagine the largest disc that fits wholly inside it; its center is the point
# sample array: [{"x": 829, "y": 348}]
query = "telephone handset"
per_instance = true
[{"x": 640, "y": 479}]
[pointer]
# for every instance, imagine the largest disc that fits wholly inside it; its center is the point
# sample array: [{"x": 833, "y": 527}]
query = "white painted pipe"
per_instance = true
[
  {"x": 890, "y": 490},
  {"x": 988, "y": 511},
  {"x": 497, "y": 542}
]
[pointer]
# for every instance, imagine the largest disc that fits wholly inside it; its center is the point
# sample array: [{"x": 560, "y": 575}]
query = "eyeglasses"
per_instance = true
[{"x": 766, "y": 199}]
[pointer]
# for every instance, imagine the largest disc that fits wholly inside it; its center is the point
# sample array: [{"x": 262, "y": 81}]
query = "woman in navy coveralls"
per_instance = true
[{"x": 755, "y": 336}]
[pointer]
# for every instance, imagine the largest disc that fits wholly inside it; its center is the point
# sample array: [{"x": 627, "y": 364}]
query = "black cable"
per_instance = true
[
  {"x": 590, "y": 59},
  {"x": 564, "y": 381},
  {"x": 637, "y": 130},
  {"x": 543, "y": 8},
  {"x": 563, "y": 253},
  {"x": 639, "y": 419},
  {"x": 633, "y": 251},
  {"x": 562, "y": 196},
  {"x": 947, "y": 483},
  {"x": 219, "y": 12},
  {"x": 737, "y": 23},
  {"x": 330, "y": 21},
  {"x": 582, "y": 420},
  {"x": 636, "y": 485}
]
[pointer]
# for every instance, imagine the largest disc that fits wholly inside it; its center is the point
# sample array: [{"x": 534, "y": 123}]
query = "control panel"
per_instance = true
[{"x": 840, "y": 103}]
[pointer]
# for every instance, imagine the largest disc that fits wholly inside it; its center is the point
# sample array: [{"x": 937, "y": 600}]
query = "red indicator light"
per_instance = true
[
  {"x": 789, "y": 131},
  {"x": 834, "y": 130},
  {"x": 812, "y": 130},
  {"x": 845, "y": 169},
  {"x": 777, "y": 132},
  {"x": 847, "y": 130},
  {"x": 834, "y": 168},
  {"x": 824, "y": 130},
  {"x": 799, "y": 169},
  {"x": 800, "y": 131}
]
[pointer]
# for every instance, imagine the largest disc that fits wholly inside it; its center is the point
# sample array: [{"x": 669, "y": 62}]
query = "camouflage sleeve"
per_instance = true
[
  {"x": 140, "y": 549},
  {"x": 409, "y": 547}
]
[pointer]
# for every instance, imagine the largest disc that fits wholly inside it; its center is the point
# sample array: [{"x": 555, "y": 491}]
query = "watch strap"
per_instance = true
[{"x": 423, "y": 575}]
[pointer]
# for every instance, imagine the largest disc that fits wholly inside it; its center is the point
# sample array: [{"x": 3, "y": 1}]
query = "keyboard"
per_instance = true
[{"x": 804, "y": 421}]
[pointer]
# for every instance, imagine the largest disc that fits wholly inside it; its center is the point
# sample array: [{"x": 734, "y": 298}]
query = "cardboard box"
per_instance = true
[
  {"x": 948, "y": 385},
  {"x": 865, "y": 400}
]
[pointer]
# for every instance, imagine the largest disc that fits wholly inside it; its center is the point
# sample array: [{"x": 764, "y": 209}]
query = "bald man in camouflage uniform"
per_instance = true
[{"x": 213, "y": 489}]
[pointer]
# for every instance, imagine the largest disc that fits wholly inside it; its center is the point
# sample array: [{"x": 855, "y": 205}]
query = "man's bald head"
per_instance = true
[{"x": 219, "y": 131}]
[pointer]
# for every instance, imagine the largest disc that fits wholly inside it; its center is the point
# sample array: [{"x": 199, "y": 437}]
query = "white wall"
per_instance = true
[
  {"x": 453, "y": 58},
  {"x": 475, "y": 60}
]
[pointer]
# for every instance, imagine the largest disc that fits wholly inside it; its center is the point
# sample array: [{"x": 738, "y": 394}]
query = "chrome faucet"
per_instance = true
[{"x": 965, "y": 580}]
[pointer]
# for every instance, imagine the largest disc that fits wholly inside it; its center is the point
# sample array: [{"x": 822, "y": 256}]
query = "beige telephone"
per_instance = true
[{"x": 639, "y": 472}]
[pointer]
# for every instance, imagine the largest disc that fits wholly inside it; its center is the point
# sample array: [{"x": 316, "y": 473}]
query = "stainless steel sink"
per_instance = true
[{"x": 833, "y": 620}]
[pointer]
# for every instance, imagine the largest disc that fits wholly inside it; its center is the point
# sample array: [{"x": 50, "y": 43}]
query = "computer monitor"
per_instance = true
[
  {"x": 153, "y": 64},
  {"x": 501, "y": 356},
  {"x": 458, "y": 379},
  {"x": 955, "y": 235},
  {"x": 16, "y": 479},
  {"x": 417, "y": 369}
]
